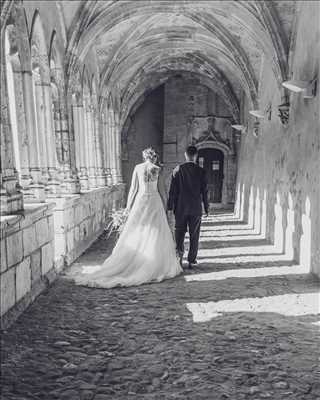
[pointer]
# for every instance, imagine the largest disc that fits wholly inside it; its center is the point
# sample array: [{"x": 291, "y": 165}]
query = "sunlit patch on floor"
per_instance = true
[
  {"x": 206, "y": 258},
  {"x": 245, "y": 273},
  {"x": 287, "y": 305}
]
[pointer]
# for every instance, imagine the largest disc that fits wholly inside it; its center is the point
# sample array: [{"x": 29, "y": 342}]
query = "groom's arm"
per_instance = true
[{"x": 173, "y": 192}]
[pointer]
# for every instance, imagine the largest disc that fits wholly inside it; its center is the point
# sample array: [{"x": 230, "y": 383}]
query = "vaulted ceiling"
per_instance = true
[{"x": 140, "y": 44}]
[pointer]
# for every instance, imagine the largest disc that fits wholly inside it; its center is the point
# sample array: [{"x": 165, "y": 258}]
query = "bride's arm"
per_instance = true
[
  {"x": 162, "y": 190},
  {"x": 133, "y": 189}
]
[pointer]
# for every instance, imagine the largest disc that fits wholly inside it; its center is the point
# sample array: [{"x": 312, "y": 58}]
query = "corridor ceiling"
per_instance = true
[{"x": 140, "y": 44}]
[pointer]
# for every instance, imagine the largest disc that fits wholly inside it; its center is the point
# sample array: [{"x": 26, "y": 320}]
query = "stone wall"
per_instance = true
[
  {"x": 283, "y": 163},
  {"x": 80, "y": 219},
  {"x": 146, "y": 129},
  {"x": 27, "y": 263},
  {"x": 187, "y": 99},
  {"x": 43, "y": 239}
]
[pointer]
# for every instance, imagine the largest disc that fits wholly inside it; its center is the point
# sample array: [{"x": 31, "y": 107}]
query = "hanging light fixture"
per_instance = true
[
  {"x": 240, "y": 128},
  {"x": 257, "y": 113},
  {"x": 307, "y": 88}
]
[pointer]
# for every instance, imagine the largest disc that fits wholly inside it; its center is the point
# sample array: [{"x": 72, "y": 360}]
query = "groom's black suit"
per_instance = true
[{"x": 188, "y": 190}]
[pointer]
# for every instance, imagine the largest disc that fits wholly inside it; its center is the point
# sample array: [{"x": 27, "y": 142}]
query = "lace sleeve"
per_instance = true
[{"x": 133, "y": 189}]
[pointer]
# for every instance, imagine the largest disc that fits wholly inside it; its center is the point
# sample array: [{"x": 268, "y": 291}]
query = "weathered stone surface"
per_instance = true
[
  {"x": 8, "y": 290},
  {"x": 35, "y": 266},
  {"x": 3, "y": 256},
  {"x": 14, "y": 248},
  {"x": 23, "y": 278},
  {"x": 143, "y": 342},
  {"x": 30, "y": 243},
  {"x": 46, "y": 258},
  {"x": 42, "y": 231}
]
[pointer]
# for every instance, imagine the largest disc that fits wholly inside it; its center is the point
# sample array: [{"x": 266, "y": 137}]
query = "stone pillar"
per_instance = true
[
  {"x": 101, "y": 178},
  {"x": 10, "y": 197},
  {"x": 35, "y": 191},
  {"x": 41, "y": 123},
  {"x": 77, "y": 110},
  {"x": 118, "y": 150},
  {"x": 52, "y": 163},
  {"x": 107, "y": 134},
  {"x": 70, "y": 181},
  {"x": 113, "y": 149},
  {"x": 103, "y": 138},
  {"x": 82, "y": 126},
  {"x": 25, "y": 178},
  {"x": 90, "y": 147}
]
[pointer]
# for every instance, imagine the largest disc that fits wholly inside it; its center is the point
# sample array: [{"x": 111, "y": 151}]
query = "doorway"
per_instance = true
[{"x": 212, "y": 161}]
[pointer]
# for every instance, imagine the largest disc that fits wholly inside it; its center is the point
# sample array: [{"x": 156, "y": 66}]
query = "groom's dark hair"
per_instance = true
[{"x": 191, "y": 151}]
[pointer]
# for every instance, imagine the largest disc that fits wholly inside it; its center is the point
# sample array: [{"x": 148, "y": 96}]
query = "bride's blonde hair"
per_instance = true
[{"x": 150, "y": 154}]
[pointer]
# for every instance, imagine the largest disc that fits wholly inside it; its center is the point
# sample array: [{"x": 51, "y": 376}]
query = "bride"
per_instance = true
[{"x": 145, "y": 251}]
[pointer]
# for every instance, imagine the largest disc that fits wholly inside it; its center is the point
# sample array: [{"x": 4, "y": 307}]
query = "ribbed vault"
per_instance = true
[{"x": 140, "y": 44}]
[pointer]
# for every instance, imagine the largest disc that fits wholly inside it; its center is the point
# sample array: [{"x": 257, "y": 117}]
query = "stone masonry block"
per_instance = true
[
  {"x": 23, "y": 278},
  {"x": 59, "y": 221},
  {"x": 35, "y": 266},
  {"x": 30, "y": 243},
  {"x": 8, "y": 290},
  {"x": 76, "y": 233},
  {"x": 46, "y": 258},
  {"x": 42, "y": 231},
  {"x": 3, "y": 255},
  {"x": 70, "y": 240},
  {"x": 59, "y": 245},
  {"x": 51, "y": 227},
  {"x": 14, "y": 248}
]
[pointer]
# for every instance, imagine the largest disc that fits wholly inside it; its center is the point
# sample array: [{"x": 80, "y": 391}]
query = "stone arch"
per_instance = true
[{"x": 264, "y": 21}]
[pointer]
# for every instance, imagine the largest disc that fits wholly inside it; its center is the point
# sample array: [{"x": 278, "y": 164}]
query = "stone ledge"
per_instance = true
[{"x": 33, "y": 212}]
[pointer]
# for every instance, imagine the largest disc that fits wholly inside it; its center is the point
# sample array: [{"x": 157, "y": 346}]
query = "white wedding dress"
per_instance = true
[{"x": 145, "y": 251}]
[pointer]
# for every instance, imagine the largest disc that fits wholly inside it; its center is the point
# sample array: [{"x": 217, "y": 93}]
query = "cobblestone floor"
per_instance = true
[{"x": 192, "y": 337}]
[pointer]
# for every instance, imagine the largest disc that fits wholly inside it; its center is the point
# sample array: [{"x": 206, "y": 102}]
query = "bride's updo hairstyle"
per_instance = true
[{"x": 149, "y": 154}]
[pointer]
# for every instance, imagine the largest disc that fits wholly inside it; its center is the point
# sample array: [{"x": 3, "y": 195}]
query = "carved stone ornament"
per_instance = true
[
  {"x": 256, "y": 127},
  {"x": 284, "y": 113},
  {"x": 203, "y": 130}
]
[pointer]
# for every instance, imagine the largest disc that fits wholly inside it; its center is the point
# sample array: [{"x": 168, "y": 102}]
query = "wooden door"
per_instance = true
[{"x": 212, "y": 161}]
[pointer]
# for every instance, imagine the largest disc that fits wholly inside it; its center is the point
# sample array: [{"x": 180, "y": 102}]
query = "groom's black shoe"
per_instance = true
[{"x": 193, "y": 265}]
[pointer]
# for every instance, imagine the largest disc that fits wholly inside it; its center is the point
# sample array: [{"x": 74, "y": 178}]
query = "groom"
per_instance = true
[{"x": 188, "y": 190}]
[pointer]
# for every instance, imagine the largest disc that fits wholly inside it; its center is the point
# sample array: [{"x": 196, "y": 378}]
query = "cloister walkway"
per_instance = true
[{"x": 244, "y": 325}]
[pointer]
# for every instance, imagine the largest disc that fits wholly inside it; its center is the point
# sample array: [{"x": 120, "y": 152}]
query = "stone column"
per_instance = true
[
  {"x": 41, "y": 123},
  {"x": 101, "y": 178},
  {"x": 113, "y": 149},
  {"x": 52, "y": 163},
  {"x": 70, "y": 181},
  {"x": 118, "y": 150},
  {"x": 35, "y": 191},
  {"x": 107, "y": 133},
  {"x": 81, "y": 136},
  {"x": 25, "y": 178},
  {"x": 77, "y": 110},
  {"x": 103, "y": 138},
  {"x": 10, "y": 197},
  {"x": 90, "y": 147}
]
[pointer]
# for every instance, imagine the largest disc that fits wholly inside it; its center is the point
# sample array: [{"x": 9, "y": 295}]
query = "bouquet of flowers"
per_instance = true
[{"x": 116, "y": 224}]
